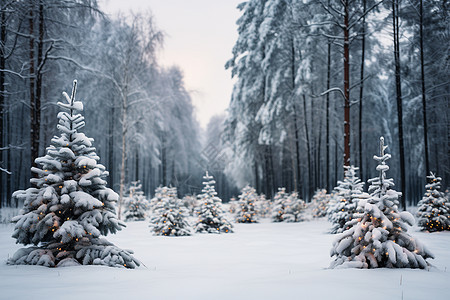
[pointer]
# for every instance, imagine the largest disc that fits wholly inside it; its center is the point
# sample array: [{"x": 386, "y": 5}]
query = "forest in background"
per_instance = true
[
  {"x": 302, "y": 68},
  {"x": 319, "y": 81}
]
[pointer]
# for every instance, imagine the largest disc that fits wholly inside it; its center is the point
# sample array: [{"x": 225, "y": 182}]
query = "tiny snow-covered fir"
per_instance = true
[
  {"x": 233, "y": 205},
  {"x": 246, "y": 212},
  {"x": 169, "y": 214},
  {"x": 319, "y": 203},
  {"x": 69, "y": 207},
  {"x": 434, "y": 209},
  {"x": 379, "y": 236},
  {"x": 287, "y": 207},
  {"x": 209, "y": 210},
  {"x": 136, "y": 205},
  {"x": 263, "y": 206},
  {"x": 190, "y": 203},
  {"x": 348, "y": 193}
]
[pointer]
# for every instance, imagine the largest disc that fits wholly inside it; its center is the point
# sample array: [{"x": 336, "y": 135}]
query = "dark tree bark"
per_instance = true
[
  {"x": 424, "y": 102},
  {"x": 327, "y": 138},
  {"x": 2, "y": 88},
  {"x": 308, "y": 147},
  {"x": 361, "y": 90},
  {"x": 34, "y": 131},
  {"x": 346, "y": 85},
  {"x": 396, "y": 27}
]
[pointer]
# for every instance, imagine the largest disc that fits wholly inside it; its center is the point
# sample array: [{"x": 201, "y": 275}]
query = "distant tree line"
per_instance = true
[{"x": 319, "y": 81}]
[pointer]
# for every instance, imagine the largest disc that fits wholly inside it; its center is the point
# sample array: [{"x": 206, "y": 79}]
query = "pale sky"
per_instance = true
[{"x": 200, "y": 35}]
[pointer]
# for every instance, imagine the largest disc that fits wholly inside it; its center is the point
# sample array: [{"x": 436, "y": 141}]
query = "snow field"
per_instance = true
[{"x": 259, "y": 261}]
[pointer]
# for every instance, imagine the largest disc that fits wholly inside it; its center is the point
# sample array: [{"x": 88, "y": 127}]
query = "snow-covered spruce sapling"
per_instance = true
[
  {"x": 69, "y": 207},
  {"x": 136, "y": 204},
  {"x": 170, "y": 216},
  {"x": 263, "y": 206},
  {"x": 348, "y": 193},
  {"x": 379, "y": 238},
  {"x": 319, "y": 203},
  {"x": 209, "y": 210},
  {"x": 295, "y": 208},
  {"x": 280, "y": 202},
  {"x": 246, "y": 212},
  {"x": 434, "y": 209}
]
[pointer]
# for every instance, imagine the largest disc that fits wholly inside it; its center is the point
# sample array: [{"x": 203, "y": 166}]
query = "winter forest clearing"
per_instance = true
[
  {"x": 260, "y": 261},
  {"x": 299, "y": 181}
]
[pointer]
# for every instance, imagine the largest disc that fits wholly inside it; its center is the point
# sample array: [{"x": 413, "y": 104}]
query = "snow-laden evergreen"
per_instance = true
[
  {"x": 319, "y": 203},
  {"x": 287, "y": 207},
  {"x": 434, "y": 209},
  {"x": 263, "y": 206},
  {"x": 279, "y": 205},
  {"x": 169, "y": 214},
  {"x": 348, "y": 193},
  {"x": 233, "y": 205},
  {"x": 379, "y": 236},
  {"x": 246, "y": 212},
  {"x": 68, "y": 208},
  {"x": 136, "y": 204},
  {"x": 190, "y": 203},
  {"x": 209, "y": 210}
]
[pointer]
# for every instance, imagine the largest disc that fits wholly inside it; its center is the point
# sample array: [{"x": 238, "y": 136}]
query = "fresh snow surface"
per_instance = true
[{"x": 259, "y": 261}]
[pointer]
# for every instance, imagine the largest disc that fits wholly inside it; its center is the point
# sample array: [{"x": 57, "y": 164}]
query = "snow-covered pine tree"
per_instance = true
[
  {"x": 434, "y": 209},
  {"x": 209, "y": 210},
  {"x": 348, "y": 192},
  {"x": 263, "y": 206},
  {"x": 247, "y": 211},
  {"x": 161, "y": 192},
  {"x": 190, "y": 203},
  {"x": 294, "y": 209},
  {"x": 136, "y": 205},
  {"x": 69, "y": 207},
  {"x": 380, "y": 238},
  {"x": 319, "y": 203},
  {"x": 170, "y": 216},
  {"x": 279, "y": 205},
  {"x": 233, "y": 205}
]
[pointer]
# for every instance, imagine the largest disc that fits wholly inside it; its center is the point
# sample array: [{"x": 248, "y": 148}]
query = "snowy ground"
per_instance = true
[{"x": 259, "y": 261}]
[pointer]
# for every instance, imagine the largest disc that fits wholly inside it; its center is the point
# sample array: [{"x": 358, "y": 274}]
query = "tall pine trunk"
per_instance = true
[
  {"x": 395, "y": 20},
  {"x": 34, "y": 130},
  {"x": 346, "y": 85},
  {"x": 327, "y": 138},
  {"x": 2, "y": 93},
  {"x": 424, "y": 102},
  {"x": 361, "y": 90}
]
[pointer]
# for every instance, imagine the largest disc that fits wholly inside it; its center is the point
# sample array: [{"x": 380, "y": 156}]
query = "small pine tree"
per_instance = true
[
  {"x": 434, "y": 209},
  {"x": 136, "y": 205},
  {"x": 209, "y": 211},
  {"x": 190, "y": 203},
  {"x": 247, "y": 209},
  {"x": 379, "y": 236},
  {"x": 319, "y": 203},
  {"x": 294, "y": 209},
  {"x": 263, "y": 205},
  {"x": 280, "y": 203},
  {"x": 348, "y": 193},
  {"x": 169, "y": 218},
  {"x": 69, "y": 207},
  {"x": 233, "y": 205}
]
